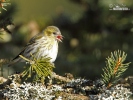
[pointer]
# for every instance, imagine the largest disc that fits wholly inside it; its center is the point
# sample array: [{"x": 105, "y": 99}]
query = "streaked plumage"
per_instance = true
[{"x": 45, "y": 44}]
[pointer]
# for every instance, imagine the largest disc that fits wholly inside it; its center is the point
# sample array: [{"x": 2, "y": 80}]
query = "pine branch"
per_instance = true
[
  {"x": 6, "y": 13},
  {"x": 3, "y": 4},
  {"x": 114, "y": 68},
  {"x": 38, "y": 68},
  {"x": 4, "y": 23}
]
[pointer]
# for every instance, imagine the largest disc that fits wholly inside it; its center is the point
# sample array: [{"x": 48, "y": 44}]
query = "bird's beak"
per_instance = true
[{"x": 59, "y": 38}]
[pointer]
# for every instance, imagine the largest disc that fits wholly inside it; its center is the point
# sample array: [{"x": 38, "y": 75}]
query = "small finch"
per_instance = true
[{"x": 41, "y": 45}]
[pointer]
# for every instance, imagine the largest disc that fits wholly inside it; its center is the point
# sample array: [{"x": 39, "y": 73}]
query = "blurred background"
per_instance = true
[{"x": 92, "y": 30}]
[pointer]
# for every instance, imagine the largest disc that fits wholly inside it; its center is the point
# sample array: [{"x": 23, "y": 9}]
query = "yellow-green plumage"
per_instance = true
[{"x": 45, "y": 44}]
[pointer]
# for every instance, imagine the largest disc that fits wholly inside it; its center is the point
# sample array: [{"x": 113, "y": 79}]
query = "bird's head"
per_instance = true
[{"x": 53, "y": 32}]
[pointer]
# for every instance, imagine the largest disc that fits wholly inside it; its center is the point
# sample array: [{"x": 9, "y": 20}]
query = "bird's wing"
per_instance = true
[
  {"x": 17, "y": 58},
  {"x": 36, "y": 37},
  {"x": 32, "y": 40}
]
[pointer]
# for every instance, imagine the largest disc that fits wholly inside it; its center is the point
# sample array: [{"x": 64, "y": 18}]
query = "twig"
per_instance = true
[{"x": 61, "y": 78}]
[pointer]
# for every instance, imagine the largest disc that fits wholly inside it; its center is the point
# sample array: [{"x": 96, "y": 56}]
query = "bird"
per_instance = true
[{"x": 41, "y": 45}]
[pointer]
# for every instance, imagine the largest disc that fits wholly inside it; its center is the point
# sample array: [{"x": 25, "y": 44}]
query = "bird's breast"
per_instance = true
[
  {"x": 49, "y": 49},
  {"x": 53, "y": 52}
]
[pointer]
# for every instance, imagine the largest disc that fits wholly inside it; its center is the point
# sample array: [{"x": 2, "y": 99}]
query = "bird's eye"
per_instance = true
[{"x": 54, "y": 33}]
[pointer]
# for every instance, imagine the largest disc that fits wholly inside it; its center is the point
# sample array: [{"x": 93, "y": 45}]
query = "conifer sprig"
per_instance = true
[
  {"x": 38, "y": 68},
  {"x": 3, "y": 4},
  {"x": 114, "y": 67}
]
